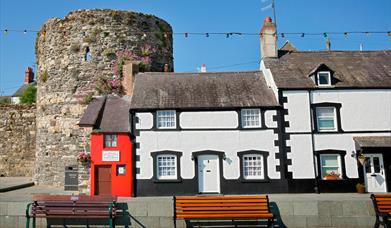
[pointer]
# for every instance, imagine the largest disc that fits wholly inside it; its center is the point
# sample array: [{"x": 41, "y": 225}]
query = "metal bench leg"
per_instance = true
[
  {"x": 28, "y": 222},
  {"x": 270, "y": 222},
  {"x": 34, "y": 222}
]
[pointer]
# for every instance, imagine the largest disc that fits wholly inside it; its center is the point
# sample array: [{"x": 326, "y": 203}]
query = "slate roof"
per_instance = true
[
  {"x": 354, "y": 69},
  {"x": 201, "y": 90},
  {"x": 107, "y": 114},
  {"x": 373, "y": 141},
  {"x": 23, "y": 88}
]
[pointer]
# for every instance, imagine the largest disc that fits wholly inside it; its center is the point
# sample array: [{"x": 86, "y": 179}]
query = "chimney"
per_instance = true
[
  {"x": 268, "y": 39},
  {"x": 28, "y": 75},
  {"x": 203, "y": 68},
  {"x": 129, "y": 71}
]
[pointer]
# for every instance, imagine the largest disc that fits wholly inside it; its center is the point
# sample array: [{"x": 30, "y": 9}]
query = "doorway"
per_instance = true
[
  {"x": 208, "y": 174},
  {"x": 103, "y": 180},
  {"x": 374, "y": 173}
]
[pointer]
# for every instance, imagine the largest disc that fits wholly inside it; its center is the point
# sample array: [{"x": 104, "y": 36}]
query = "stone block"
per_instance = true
[
  {"x": 16, "y": 208},
  {"x": 142, "y": 222},
  {"x": 284, "y": 208},
  {"x": 347, "y": 221},
  {"x": 3, "y": 208},
  {"x": 354, "y": 208},
  {"x": 9, "y": 221},
  {"x": 319, "y": 221},
  {"x": 305, "y": 208},
  {"x": 329, "y": 208},
  {"x": 166, "y": 222},
  {"x": 163, "y": 209},
  {"x": 295, "y": 221},
  {"x": 137, "y": 209}
]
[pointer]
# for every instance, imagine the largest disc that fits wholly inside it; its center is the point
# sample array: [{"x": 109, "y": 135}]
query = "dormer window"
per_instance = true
[{"x": 324, "y": 78}]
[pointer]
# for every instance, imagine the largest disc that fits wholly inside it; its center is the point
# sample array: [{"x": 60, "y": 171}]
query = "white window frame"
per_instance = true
[
  {"x": 243, "y": 116},
  {"x": 261, "y": 162},
  {"x": 334, "y": 119},
  {"x": 110, "y": 145},
  {"x": 339, "y": 164},
  {"x": 159, "y": 118},
  {"x": 328, "y": 75},
  {"x": 166, "y": 177}
]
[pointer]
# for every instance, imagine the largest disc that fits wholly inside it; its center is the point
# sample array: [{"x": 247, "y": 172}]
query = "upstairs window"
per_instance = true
[
  {"x": 326, "y": 119},
  {"x": 110, "y": 140},
  {"x": 251, "y": 118},
  {"x": 324, "y": 78},
  {"x": 166, "y": 119}
]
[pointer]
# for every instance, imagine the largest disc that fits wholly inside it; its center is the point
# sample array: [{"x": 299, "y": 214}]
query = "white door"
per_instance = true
[
  {"x": 208, "y": 174},
  {"x": 375, "y": 179}
]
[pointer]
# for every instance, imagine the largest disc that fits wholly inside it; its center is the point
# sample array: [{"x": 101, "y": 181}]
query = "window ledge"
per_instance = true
[
  {"x": 267, "y": 180},
  {"x": 168, "y": 181}
]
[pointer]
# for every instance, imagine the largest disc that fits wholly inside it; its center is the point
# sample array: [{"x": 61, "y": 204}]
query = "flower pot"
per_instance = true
[
  {"x": 331, "y": 178},
  {"x": 360, "y": 189}
]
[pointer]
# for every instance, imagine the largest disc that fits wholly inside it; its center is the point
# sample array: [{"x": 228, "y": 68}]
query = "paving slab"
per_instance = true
[{"x": 12, "y": 183}]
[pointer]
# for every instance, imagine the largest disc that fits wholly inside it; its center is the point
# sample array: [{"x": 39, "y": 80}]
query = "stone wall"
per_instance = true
[
  {"x": 81, "y": 56},
  {"x": 17, "y": 140}
]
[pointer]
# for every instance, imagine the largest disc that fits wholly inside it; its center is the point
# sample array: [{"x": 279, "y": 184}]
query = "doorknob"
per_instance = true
[{"x": 208, "y": 171}]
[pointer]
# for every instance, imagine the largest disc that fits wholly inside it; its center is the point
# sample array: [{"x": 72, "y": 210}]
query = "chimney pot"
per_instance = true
[
  {"x": 268, "y": 19},
  {"x": 203, "y": 68},
  {"x": 28, "y": 75},
  {"x": 166, "y": 68},
  {"x": 268, "y": 39}
]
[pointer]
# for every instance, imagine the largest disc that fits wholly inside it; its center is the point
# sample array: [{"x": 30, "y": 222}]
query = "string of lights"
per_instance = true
[{"x": 229, "y": 34}]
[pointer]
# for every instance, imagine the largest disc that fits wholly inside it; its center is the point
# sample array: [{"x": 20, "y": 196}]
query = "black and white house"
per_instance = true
[
  {"x": 205, "y": 133},
  {"x": 336, "y": 108}
]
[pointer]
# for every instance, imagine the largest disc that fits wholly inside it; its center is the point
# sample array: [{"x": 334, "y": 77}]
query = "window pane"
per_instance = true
[
  {"x": 326, "y": 123},
  {"x": 330, "y": 160},
  {"x": 326, "y": 171},
  {"x": 376, "y": 164},
  {"x": 325, "y": 118},
  {"x": 324, "y": 78}
]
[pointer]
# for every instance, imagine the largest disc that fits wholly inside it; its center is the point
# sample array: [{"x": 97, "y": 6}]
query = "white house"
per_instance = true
[
  {"x": 205, "y": 133},
  {"x": 336, "y": 106}
]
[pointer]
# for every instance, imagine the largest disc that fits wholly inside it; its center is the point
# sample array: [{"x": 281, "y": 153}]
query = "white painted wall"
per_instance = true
[
  {"x": 302, "y": 156},
  {"x": 269, "y": 118},
  {"x": 362, "y": 110},
  {"x": 269, "y": 78},
  {"x": 210, "y": 119},
  {"x": 145, "y": 120},
  {"x": 299, "y": 116},
  {"x": 228, "y": 141}
]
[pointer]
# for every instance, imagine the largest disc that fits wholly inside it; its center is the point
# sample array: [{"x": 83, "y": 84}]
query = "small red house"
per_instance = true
[{"x": 111, "y": 146}]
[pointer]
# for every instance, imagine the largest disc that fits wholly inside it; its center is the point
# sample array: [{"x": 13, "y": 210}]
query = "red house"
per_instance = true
[{"x": 111, "y": 146}]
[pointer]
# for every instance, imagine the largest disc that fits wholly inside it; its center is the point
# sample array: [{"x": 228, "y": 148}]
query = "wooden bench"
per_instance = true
[
  {"x": 382, "y": 205},
  {"x": 222, "y": 208},
  {"x": 71, "y": 207}
]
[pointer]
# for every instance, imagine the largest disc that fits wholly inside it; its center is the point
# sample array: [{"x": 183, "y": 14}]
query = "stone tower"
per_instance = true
[{"x": 80, "y": 56}]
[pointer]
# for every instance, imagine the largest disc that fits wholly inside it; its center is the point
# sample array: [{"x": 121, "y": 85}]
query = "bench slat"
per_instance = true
[
  {"x": 220, "y": 201},
  {"x": 232, "y": 216},
  {"x": 220, "y": 208},
  {"x": 219, "y": 204},
  {"x": 220, "y": 197}
]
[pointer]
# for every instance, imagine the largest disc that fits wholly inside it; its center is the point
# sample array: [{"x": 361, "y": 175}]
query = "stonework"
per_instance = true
[
  {"x": 17, "y": 140},
  {"x": 74, "y": 54}
]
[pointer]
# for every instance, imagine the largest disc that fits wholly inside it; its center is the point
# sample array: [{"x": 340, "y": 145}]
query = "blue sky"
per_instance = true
[{"x": 217, "y": 52}]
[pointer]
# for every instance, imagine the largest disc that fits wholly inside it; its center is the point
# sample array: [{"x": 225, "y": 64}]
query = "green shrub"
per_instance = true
[
  {"x": 29, "y": 96},
  {"x": 5, "y": 100}
]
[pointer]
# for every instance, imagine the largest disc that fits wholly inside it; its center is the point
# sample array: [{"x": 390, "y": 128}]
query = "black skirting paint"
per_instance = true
[{"x": 232, "y": 187}]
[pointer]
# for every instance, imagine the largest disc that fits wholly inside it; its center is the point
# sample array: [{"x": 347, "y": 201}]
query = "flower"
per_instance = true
[
  {"x": 84, "y": 157},
  {"x": 333, "y": 174}
]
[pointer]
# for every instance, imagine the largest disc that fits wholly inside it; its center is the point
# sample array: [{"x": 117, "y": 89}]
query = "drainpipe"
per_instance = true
[{"x": 316, "y": 187}]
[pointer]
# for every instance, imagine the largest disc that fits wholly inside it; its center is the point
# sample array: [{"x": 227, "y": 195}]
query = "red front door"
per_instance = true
[{"x": 103, "y": 180}]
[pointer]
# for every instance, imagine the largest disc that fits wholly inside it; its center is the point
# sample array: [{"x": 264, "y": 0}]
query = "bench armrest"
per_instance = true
[{"x": 28, "y": 210}]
